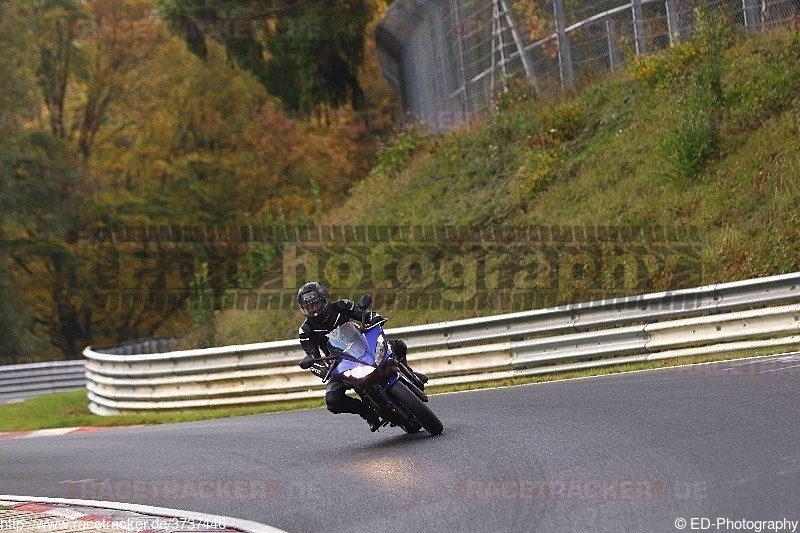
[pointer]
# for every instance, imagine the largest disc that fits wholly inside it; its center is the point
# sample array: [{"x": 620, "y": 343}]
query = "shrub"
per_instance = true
[
  {"x": 394, "y": 156},
  {"x": 667, "y": 69},
  {"x": 695, "y": 136}
]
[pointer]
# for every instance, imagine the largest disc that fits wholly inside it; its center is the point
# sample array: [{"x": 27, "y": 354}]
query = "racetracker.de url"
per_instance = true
[
  {"x": 127, "y": 524},
  {"x": 730, "y": 524}
]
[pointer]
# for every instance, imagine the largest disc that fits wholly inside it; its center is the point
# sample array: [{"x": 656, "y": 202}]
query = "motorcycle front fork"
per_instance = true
[
  {"x": 385, "y": 406},
  {"x": 414, "y": 384}
]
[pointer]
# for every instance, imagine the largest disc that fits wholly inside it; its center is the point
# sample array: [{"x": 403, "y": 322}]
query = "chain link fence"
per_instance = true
[{"x": 447, "y": 59}]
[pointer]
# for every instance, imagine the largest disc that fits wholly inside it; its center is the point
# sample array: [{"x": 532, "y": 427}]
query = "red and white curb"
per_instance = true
[
  {"x": 52, "y": 432},
  {"x": 24, "y": 514}
]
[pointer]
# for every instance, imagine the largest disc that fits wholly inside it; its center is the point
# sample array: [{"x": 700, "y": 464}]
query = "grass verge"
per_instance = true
[{"x": 69, "y": 409}]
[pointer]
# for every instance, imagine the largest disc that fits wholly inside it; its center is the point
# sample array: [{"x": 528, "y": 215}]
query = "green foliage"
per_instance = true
[
  {"x": 699, "y": 57},
  {"x": 666, "y": 70},
  {"x": 561, "y": 122},
  {"x": 17, "y": 84},
  {"x": 57, "y": 23},
  {"x": 179, "y": 18},
  {"x": 261, "y": 259},
  {"x": 697, "y": 70},
  {"x": 393, "y": 156},
  {"x": 713, "y": 35},
  {"x": 315, "y": 52},
  {"x": 517, "y": 91},
  {"x": 201, "y": 307},
  {"x": 14, "y": 339},
  {"x": 40, "y": 204},
  {"x": 536, "y": 171},
  {"x": 306, "y": 53},
  {"x": 694, "y": 136},
  {"x": 755, "y": 99}
]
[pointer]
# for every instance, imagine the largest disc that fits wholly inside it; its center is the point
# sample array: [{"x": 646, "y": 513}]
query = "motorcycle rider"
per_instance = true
[{"x": 322, "y": 317}]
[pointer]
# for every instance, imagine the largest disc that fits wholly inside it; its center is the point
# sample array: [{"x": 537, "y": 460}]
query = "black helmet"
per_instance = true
[{"x": 313, "y": 299}]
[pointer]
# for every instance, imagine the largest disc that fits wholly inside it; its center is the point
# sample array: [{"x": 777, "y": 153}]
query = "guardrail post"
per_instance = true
[{"x": 564, "y": 51}]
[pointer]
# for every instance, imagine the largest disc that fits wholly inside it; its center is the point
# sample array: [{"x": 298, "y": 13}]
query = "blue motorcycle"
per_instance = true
[{"x": 362, "y": 359}]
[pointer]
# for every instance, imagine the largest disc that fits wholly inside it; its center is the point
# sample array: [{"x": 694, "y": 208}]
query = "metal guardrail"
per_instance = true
[
  {"x": 24, "y": 381},
  {"x": 729, "y": 316},
  {"x": 18, "y": 382},
  {"x": 140, "y": 346}
]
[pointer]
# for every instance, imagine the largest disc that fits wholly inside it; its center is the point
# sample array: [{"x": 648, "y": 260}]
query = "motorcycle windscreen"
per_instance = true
[{"x": 346, "y": 339}]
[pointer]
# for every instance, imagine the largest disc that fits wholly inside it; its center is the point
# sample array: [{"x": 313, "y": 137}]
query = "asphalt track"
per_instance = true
[{"x": 628, "y": 452}]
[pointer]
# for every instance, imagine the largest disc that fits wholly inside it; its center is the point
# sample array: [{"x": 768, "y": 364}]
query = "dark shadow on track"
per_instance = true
[{"x": 406, "y": 440}]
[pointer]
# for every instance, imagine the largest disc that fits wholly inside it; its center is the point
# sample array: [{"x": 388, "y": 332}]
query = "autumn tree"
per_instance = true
[
  {"x": 56, "y": 25},
  {"x": 16, "y": 104},
  {"x": 108, "y": 121}
]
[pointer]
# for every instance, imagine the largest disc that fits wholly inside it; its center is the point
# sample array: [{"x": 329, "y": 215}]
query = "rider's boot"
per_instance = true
[{"x": 372, "y": 419}]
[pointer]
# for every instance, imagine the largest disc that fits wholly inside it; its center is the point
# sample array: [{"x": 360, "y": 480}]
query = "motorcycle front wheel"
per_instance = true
[{"x": 421, "y": 412}]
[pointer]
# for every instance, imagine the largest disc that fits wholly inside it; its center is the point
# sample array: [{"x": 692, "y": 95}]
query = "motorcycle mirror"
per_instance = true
[{"x": 365, "y": 302}]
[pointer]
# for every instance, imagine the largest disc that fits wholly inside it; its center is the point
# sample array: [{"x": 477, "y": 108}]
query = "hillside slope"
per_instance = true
[
  {"x": 703, "y": 138},
  {"x": 605, "y": 156}
]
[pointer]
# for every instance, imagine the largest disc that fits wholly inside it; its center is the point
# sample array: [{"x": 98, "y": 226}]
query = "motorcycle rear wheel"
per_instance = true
[{"x": 421, "y": 412}]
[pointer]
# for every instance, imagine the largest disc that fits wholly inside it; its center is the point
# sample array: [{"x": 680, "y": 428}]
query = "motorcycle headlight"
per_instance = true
[
  {"x": 359, "y": 372},
  {"x": 380, "y": 350}
]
